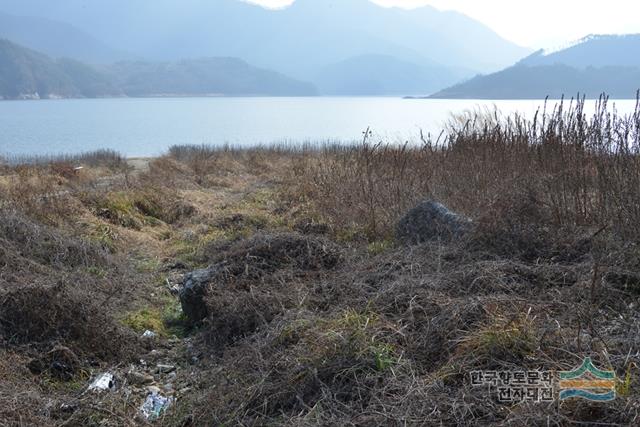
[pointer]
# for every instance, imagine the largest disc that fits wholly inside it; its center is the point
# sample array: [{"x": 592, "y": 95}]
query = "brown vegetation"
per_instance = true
[
  {"x": 576, "y": 169},
  {"x": 316, "y": 315}
]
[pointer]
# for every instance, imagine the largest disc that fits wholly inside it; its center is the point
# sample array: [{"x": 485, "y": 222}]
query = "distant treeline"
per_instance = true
[{"x": 27, "y": 74}]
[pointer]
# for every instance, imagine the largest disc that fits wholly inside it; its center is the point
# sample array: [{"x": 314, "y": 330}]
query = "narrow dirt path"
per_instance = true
[{"x": 166, "y": 371}]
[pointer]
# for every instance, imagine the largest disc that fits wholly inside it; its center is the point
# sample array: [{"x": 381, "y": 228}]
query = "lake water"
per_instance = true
[{"x": 147, "y": 127}]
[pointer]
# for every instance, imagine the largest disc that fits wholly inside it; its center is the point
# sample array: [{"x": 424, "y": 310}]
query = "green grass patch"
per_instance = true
[
  {"x": 379, "y": 246},
  {"x": 118, "y": 208},
  {"x": 137, "y": 208},
  {"x": 147, "y": 265},
  {"x": 359, "y": 335},
  {"x": 168, "y": 320},
  {"x": 623, "y": 385},
  {"x": 146, "y": 319},
  {"x": 502, "y": 339},
  {"x": 78, "y": 383},
  {"x": 105, "y": 236}
]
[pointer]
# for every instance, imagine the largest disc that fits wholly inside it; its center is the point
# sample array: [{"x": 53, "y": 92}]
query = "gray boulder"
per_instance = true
[
  {"x": 193, "y": 292},
  {"x": 430, "y": 221}
]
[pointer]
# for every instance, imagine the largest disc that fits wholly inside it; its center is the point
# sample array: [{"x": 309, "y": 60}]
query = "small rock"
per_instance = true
[
  {"x": 153, "y": 389},
  {"x": 139, "y": 378},
  {"x": 165, "y": 369},
  {"x": 193, "y": 293}
]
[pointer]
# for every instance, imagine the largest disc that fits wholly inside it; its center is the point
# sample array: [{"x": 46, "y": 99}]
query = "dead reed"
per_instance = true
[{"x": 583, "y": 170}]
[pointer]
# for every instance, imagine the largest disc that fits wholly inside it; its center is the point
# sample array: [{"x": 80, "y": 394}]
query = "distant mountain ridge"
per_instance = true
[
  {"x": 300, "y": 41},
  {"x": 593, "y": 51},
  {"x": 57, "y": 39},
  {"x": 383, "y": 75},
  {"x": 553, "y": 81},
  {"x": 206, "y": 76},
  {"x": 308, "y": 33},
  {"x": 596, "y": 65},
  {"x": 27, "y": 74}
]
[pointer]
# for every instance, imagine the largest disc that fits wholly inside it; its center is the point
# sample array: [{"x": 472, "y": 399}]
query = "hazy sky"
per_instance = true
[{"x": 534, "y": 23}]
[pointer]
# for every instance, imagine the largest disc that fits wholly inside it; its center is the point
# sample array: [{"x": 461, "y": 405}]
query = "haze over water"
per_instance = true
[{"x": 147, "y": 127}]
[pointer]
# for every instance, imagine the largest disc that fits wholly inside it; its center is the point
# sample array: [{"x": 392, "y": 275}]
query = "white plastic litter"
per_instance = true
[
  {"x": 148, "y": 334},
  {"x": 155, "y": 405},
  {"x": 102, "y": 383}
]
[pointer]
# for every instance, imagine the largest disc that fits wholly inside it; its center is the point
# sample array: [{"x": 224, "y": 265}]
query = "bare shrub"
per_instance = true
[
  {"x": 265, "y": 254},
  {"x": 253, "y": 280},
  {"x": 45, "y": 245},
  {"x": 37, "y": 193},
  {"x": 62, "y": 313},
  {"x": 144, "y": 203},
  {"x": 580, "y": 170},
  {"x": 47, "y": 294}
]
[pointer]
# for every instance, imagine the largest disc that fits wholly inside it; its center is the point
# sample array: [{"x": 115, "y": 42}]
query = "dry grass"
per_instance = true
[
  {"x": 578, "y": 170},
  {"x": 102, "y": 158},
  {"x": 391, "y": 336},
  {"x": 317, "y": 315}
]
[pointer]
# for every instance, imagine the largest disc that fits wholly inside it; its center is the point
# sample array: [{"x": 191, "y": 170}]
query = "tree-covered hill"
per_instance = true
[{"x": 27, "y": 74}]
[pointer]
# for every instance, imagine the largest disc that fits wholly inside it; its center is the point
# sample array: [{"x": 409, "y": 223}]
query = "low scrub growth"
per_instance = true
[{"x": 314, "y": 306}]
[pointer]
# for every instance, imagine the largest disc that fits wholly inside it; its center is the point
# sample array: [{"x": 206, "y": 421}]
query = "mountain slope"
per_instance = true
[
  {"x": 297, "y": 40},
  {"x": 593, "y": 51},
  {"x": 27, "y": 74},
  {"x": 598, "y": 64},
  {"x": 553, "y": 81},
  {"x": 209, "y": 76},
  {"x": 383, "y": 75},
  {"x": 56, "y": 39}
]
